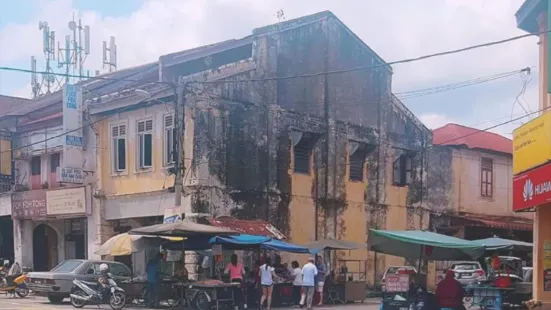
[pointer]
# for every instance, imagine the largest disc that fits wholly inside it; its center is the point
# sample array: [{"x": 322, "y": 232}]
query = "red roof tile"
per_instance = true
[
  {"x": 256, "y": 227},
  {"x": 458, "y": 135}
]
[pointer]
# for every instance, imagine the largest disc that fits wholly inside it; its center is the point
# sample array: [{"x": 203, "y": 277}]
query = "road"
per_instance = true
[{"x": 35, "y": 303}]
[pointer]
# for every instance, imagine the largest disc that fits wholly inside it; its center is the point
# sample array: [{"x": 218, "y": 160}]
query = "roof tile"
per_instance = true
[{"x": 458, "y": 135}]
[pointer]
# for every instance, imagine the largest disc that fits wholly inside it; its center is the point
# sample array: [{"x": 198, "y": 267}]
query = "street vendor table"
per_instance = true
[
  {"x": 282, "y": 294},
  {"x": 216, "y": 293},
  {"x": 489, "y": 297}
]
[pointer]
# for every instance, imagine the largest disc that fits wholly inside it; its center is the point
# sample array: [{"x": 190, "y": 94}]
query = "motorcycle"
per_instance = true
[
  {"x": 84, "y": 293},
  {"x": 14, "y": 285}
]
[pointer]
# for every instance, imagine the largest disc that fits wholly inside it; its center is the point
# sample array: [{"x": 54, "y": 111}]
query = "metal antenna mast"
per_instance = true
[
  {"x": 111, "y": 59},
  {"x": 76, "y": 50}
]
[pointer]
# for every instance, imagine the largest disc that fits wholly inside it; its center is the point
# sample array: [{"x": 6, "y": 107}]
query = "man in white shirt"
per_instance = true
[{"x": 309, "y": 273}]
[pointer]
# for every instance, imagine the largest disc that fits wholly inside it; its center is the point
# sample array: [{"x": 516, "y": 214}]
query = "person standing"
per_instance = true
[
  {"x": 309, "y": 273},
  {"x": 152, "y": 271},
  {"x": 297, "y": 282},
  {"x": 267, "y": 276},
  {"x": 320, "y": 278},
  {"x": 235, "y": 271}
]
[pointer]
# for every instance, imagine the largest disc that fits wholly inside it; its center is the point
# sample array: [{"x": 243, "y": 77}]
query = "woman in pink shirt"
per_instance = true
[{"x": 235, "y": 271}]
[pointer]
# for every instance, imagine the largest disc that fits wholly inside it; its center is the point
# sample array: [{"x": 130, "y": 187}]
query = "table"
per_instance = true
[{"x": 213, "y": 292}]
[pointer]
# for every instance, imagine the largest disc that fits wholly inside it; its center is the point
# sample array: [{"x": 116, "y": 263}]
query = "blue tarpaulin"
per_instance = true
[{"x": 239, "y": 242}]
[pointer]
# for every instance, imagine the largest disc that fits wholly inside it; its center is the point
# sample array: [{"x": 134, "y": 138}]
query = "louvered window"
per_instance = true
[
  {"x": 145, "y": 144},
  {"x": 169, "y": 140},
  {"x": 357, "y": 165},
  {"x": 118, "y": 135},
  {"x": 302, "y": 152},
  {"x": 402, "y": 170},
  {"x": 486, "y": 177}
]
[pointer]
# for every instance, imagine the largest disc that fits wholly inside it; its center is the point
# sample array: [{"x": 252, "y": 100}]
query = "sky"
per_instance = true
[{"x": 395, "y": 29}]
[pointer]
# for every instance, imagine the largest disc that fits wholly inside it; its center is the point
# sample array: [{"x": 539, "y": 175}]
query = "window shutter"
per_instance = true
[
  {"x": 122, "y": 130},
  {"x": 169, "y": 121},
  {"x": 149, "y": 125},
  {"x": 115, "y": 131},
  {"x": 141, "y": 126}
]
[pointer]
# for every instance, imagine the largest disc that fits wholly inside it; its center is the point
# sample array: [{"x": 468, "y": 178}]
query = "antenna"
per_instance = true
[
  {"x": 76, "y": 50},
  {"x": 70, "y": 55},
  {"x": 110, "y": 61}
]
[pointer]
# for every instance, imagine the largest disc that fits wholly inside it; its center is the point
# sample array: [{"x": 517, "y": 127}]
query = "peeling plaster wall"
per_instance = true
[{"x": 242, "y": 158}]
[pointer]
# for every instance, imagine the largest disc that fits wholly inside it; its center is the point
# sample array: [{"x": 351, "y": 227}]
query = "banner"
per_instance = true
[{"x": 72, "y": 125}]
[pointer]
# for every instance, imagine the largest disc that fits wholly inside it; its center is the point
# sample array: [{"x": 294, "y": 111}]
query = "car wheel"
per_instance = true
[{"x": 55, "y": 299}]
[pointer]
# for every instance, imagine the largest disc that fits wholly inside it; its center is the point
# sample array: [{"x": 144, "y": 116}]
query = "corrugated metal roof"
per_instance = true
[
  {"x": 9, "y": 103},
  {"x": 458, "y": 135},
  {"x": 251, "y": 227}
]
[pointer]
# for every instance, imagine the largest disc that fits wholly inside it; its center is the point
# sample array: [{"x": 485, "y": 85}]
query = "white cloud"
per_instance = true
[
  {"x": 433, "y": 121},
  {"x": 395, "y": 29}
]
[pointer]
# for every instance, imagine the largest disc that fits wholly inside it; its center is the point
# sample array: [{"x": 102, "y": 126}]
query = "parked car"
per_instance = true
[
  {"x": 468, "y": 272},
  {"x": 57, "y": 283},
  {"x": 394, "y": 270}
]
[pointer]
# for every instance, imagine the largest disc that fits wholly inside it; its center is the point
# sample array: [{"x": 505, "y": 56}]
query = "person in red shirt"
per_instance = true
[{"x": 450, "y": 293}]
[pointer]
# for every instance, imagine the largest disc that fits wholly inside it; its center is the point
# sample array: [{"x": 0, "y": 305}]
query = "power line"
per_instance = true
[{"x": 408, "y": 60}]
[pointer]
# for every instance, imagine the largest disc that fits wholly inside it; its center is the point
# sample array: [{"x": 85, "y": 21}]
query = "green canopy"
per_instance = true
[
  {"x": 495, "y": 243},
  {"x": 425, "y": 244}
]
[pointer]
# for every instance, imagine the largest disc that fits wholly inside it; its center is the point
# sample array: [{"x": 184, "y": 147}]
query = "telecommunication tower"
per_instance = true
[
  {"x": 110, "y": 55},
  {"x": 47, "y": 82},
  {"x": 75, "y": 51}
]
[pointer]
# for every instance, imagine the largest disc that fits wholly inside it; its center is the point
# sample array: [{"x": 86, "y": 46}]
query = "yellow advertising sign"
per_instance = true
[{"x": 532, "y": 144}]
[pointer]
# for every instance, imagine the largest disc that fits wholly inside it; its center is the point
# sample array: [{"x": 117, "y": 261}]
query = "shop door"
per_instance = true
[{"x": 44, "y": 248}]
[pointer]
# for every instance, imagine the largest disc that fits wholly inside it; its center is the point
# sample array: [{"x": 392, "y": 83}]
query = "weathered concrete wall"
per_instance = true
[{"x": 242, "y": 150}]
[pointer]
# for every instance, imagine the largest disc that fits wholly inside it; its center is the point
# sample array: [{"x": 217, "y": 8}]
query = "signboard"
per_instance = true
[
  {"x": 70, "y": 175},
  {"x": 66, "y": 201},
  {"x": 28, "y": 205},
  {"x": 40, "y": 204},
  {"x": 397, "y": 283},
  {"x": 173, "y": 215},
  {"x": 532, "y": 188},
  {"x": 72, "y": 125},
  {"x": 532, "y": 144}
]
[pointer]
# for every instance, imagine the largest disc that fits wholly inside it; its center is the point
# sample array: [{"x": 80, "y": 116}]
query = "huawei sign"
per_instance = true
[{"x": 532, "y": 188}]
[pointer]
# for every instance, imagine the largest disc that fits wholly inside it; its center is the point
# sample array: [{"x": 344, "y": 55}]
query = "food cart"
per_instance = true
[
  {"x": 348, "y": 283},
  {"x": 422, "y": 245}
]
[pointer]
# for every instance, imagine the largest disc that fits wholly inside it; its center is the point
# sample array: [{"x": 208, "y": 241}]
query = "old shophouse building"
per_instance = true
[
  {"x": 470, "y": 181},
  {"x": 270, "y": 134}
]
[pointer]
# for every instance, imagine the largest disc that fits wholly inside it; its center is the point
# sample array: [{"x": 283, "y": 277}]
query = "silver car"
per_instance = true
[
  {"x": 57, "y": 283},
  {"x": 468, "y": 272}
]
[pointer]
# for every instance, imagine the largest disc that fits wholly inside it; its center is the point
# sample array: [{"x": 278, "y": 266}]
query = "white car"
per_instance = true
[{"x": 468, "y": 272}]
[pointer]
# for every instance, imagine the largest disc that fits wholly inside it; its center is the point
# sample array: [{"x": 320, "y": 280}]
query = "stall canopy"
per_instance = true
[
  {"x": 428, "y": 245},
  {"x": 333, "y": 244},
  {"x": 240, "y": 242},
  {"x": 182, "y": 229},
  {"x": 493, "y": 244}
]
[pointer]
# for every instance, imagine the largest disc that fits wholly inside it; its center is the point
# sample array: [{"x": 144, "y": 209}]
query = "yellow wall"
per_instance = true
[{"x": 133, "y": 181}]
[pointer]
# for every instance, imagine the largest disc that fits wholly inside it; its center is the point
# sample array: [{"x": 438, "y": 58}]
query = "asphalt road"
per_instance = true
[{"x": 35, "y": 303}]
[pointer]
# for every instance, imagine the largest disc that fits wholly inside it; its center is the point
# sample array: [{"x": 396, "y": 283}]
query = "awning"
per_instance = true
[
  {"x": 181, "y": 229},
  {"x": 499, "y": 222},
  {"x": 428, "y": 245},
  {"x": 333, "y": 244},
  {"x": 504, "y": 244},
  {"x": 248, "y": 241},
  {"x": 250, "y": 227}
]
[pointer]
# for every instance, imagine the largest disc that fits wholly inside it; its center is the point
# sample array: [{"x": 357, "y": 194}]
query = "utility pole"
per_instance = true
[{"x": 179, "y": 101}]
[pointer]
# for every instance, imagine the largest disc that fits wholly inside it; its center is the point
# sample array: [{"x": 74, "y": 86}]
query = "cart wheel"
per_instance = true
[{"x": 201, "y": 301}]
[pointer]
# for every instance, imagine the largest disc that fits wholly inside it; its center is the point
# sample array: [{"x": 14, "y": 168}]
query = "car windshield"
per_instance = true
[
  {"x": 465, "y": 267},
  {"x": 67, "y": 266},
  {"x": 395, "y": 270}
]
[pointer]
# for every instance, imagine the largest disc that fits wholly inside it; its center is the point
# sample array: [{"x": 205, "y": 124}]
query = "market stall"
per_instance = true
[
  {"x": 348, "y": 282},
  {"x": 422, "y": 245},
  {"x": 282, "y": 291}
]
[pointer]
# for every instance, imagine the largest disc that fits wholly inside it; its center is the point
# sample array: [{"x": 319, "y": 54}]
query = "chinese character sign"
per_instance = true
[{"x": 72, "y": 126}]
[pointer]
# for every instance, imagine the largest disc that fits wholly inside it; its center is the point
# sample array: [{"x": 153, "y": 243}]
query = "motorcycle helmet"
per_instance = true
[{"x": 103, "y": 268}]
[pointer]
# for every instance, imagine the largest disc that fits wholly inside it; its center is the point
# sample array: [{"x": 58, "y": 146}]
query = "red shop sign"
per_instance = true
[{"x": 532, "y": 188}]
